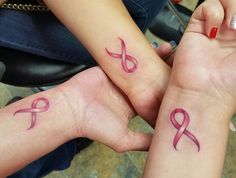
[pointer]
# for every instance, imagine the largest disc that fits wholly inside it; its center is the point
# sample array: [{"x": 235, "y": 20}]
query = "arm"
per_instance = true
[
  {"x": 19, "y": 146},
  {"x": 209, "y": 123},
  {"x": 102, "y": 26},
  {"x": 202, "y": 83},
  {"x": 88, "y": 105}
]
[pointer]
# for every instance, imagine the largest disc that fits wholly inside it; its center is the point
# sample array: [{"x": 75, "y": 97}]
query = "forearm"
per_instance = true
[
  {"x": 100, "y": 25},
  {"x": 209, "y": 123},
  {"x": 22, "y": 141}
]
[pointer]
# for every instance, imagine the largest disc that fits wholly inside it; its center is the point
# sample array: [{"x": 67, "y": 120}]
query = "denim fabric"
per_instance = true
[
  {"x": 58, "y": 159},
  {"x": 144, "y": 11},
  {"x": 42, "y": 34}
]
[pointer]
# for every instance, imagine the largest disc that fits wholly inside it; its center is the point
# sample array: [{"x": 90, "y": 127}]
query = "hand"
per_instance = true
[
  {"x": 167, "y": 52},
  {"x": 146, "y": 98},
  {"x": 204, "y": 65},
  {"x": 101, "y": 111},
  {"x": 146, "y": 95},
  {"x": 213, "y": 12}
]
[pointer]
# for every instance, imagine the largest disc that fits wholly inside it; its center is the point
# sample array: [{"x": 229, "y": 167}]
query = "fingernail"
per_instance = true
[
  {"x": 173, "y": 44},
  {"x": 155, "y": 44},
  {"x": 213, "y": 32},
  {"x": 233, "y": 22}
]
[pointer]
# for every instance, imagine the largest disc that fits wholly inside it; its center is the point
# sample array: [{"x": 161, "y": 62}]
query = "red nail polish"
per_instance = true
[{"x": 213, "y": 32}]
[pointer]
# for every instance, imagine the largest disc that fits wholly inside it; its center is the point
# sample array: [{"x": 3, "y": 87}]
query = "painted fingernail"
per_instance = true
[
  {"x": 213, "y": 32},
  {"x": 155, "y": 44},
  {"x": 233, "y": 22}
]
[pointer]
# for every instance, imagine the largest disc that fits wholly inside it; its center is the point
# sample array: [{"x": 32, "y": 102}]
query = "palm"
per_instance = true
[
  {"x": 106, "y": 111},
  {"x": 205, "y": 65}
]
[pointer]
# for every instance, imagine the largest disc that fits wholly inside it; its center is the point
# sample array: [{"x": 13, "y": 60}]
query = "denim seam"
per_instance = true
[
  {"x": 145, "y": 13},
  {"x": 48, "y": 50}
]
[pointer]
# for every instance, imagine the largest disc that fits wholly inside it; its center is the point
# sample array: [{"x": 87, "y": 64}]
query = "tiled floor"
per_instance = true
[{"x": 98, "y": 161}]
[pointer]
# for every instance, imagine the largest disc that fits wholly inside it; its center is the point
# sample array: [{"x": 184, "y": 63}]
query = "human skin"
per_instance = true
[
  {"x": 35, "y": 109},
  {"x": 152, "y": 72},
  {"x": 37, "y": 152},
  {"x": 88, "y": 105},
  {"x": 110, "y": 18},
  {"x": 112, "y": 21},
  {"x": 2, "y": 1},
  {"x": 202, "y": 82}
]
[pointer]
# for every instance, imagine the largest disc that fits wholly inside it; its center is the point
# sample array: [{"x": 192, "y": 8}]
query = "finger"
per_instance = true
[
  {"x": 164, "y": 49},
  {"x": 2, "y": 1},
  {"x": 133, "y": 141},
  {"x": 169, "y": 59},
  {"x": 230, "y": 9},
  {"x": 212, "y": 13}
]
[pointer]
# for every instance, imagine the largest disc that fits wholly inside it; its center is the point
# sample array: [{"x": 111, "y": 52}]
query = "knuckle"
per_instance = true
[{"x": 214, "y": 11}]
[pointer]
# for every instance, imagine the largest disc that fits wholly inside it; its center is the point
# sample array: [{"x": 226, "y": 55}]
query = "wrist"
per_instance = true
[
  {"x": 152, "y": 79},
  {"x": 209, "y": 116},
  {"x": 66, "y": 123},
  {"x": 200, "y": 103},
  {"x": 201, "y": 141}
]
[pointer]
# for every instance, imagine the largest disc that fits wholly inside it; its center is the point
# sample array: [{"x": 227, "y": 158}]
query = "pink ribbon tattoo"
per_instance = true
[
  {"x": 125, "y": 58},
  {"x": 182, "y": 128},
  {"x": 34, "y": 109}
]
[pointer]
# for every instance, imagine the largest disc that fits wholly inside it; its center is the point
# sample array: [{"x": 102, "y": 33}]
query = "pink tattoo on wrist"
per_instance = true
[
  {"x": 182, "y": 128},
  {"x": 125, "y": 58},
  {"x": 34, "y": 109}
]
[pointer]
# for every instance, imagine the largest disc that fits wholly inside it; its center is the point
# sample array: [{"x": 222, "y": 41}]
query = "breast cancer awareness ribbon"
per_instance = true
[
  {"x": 182, "y": 128},
  {"x": 125, "y": 58},
  {"x": 34, "y": 110}
]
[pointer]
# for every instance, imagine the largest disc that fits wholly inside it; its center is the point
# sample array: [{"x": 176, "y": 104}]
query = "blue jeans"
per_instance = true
[
  {"x": 58, "y": 159},
  {"x": 42, "y": 34}
]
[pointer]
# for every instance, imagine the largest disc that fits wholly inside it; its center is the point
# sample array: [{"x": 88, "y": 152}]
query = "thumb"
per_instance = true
[
  {"x": 133, "y": 141},
  {"x": 166, "y": 51},
  {"x": 211, "y": 13}
]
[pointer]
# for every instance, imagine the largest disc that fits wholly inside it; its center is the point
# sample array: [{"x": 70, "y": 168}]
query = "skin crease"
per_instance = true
[
  {"x": 35, "y": 109},
  {"x": 88, "y": 104},
  {"x": 115, "y": 132},
  {"x": 150, "y": 67},
  {"x": 195, "y": 67},
  {"x": 203, "y": 82},
  {"x": 145, "y": 103},
  {"x": 124, "y": 58}
]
